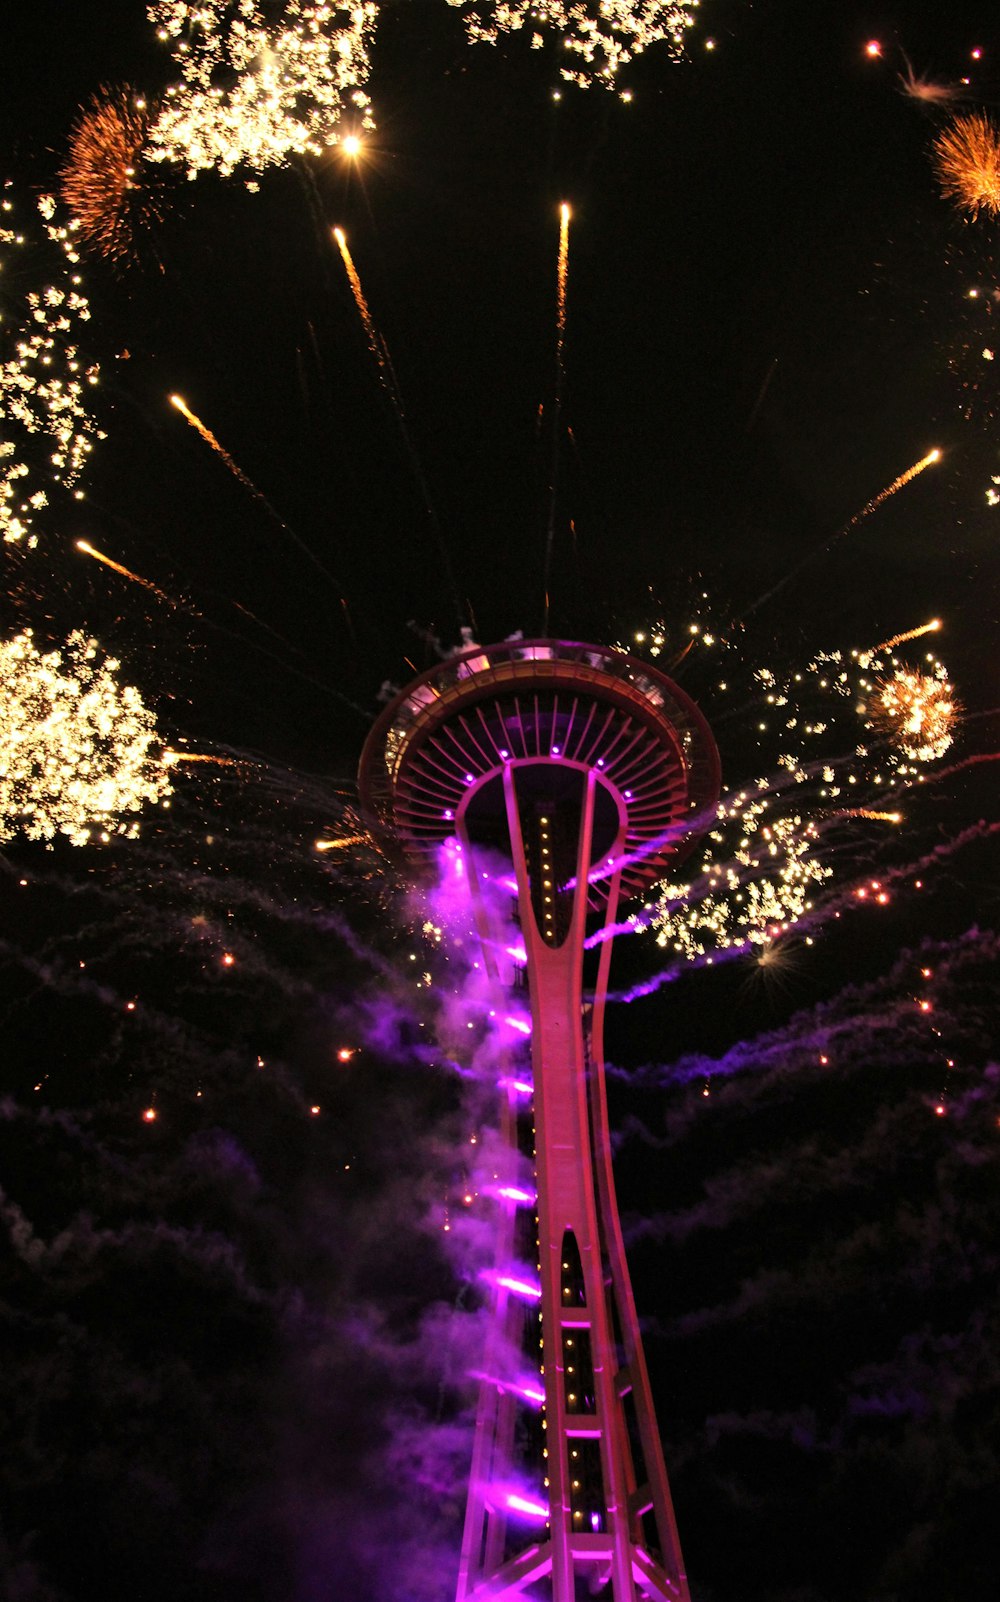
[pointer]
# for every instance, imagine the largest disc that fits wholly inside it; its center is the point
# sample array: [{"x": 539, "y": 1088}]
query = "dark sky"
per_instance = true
[{"x": 235, "y": 1338}]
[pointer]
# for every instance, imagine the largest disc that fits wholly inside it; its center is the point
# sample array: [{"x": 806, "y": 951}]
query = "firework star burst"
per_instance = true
[{"x": 104, "y": 181}]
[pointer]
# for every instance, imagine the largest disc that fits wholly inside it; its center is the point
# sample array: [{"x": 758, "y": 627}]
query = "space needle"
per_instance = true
[{"x": 561, "y": 780}]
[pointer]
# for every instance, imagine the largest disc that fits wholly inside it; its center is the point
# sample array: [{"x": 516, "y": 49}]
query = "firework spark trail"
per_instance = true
[
  {"x": 973, "y": 761},
  {"x": 206, "y": 434},
  {"x": 562, "y": 278},
  {"x": 220, "y": 450},
  {"x": 126, "y": 572},
  {"x": 376, "y": 344},
  {"x": 390, "y": 384},
  {"x": 171, "y": 757},
  {"x": 890, "y": 489},
  {"x": 848, "y": 896},
  {"x": 255, "y": 645},
  {"x": 852, "y": 523},
  {"x": 900, "y": 639}
]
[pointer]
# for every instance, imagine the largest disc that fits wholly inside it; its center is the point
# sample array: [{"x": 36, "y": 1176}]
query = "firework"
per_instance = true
[
  {"x": 765, "y": 866},
  {"x": 87, "y": 549},
  {"x": 870, "y": 506},
  {"x": 901, "y": 639},
  {"x": 390, "y": 384},
  {"x": 563, "y": 270},
  {"x": 897, "y": 484},
  {"x": 967, "y": 161},
  {"x": 170, "y": 757},
  {"x": 596, "y": 40},
  {"x": 44, "y": 382},
  {"x": 376, "y": 344},
  {"x": 77, "y": 745},
  {"x": 916, "y": 711},
  {"x": 929, "y": 91},
  {"x": 100, "y": 181},
  {"x": 290, "y": 78},
  {"x": 206, "y": 434}
]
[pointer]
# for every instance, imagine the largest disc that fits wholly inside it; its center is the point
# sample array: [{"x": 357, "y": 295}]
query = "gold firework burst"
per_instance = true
[
  {"x": 917, "y": 711},
  {"x": 105, "y": 181},
  {"x": 78, "y": 749},
  {"x": 967, "y": 162}
]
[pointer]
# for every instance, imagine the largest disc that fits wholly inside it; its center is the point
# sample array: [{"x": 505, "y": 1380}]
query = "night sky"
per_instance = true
[{"x": 235, "y": 1333}]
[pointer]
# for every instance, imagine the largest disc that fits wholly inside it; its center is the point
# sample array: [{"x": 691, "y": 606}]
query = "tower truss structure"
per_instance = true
[{"x": 588, "y": 774}]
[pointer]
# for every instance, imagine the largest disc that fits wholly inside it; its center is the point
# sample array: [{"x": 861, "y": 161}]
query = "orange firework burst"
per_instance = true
[
  {"x": 104, "y": 181},
  {"x": 967, "y": 161}
]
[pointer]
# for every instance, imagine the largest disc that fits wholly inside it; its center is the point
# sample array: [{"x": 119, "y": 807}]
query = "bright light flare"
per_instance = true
[
  {"x": 528, "y": 1289},
  {"x": 516, "y": 1193},
  {"x": 518, "y": 1023},
  {"x": 517, "y": 1087},
  {"x": 526, "y": 1505}
]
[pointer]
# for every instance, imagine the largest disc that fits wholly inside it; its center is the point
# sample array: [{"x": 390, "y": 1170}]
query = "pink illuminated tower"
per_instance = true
[{"x": 585, "y": 774}]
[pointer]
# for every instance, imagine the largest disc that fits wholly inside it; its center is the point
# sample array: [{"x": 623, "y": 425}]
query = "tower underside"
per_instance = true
[{"x": 583, "y": 772}]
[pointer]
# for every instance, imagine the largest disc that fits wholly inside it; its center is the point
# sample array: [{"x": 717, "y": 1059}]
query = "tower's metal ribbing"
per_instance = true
[{"x": 590, "y": 772}]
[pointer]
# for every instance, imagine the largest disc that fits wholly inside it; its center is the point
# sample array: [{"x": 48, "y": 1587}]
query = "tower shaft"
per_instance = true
[{"x": 605, "y": 1485}]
